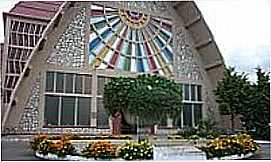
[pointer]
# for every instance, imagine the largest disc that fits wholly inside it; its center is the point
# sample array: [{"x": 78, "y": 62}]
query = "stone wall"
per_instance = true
[
  {"x": 30, "y": 118},
  {"x": 70, "y": 48}
]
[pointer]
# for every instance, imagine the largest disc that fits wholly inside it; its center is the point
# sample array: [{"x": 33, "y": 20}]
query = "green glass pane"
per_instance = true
[
  {"x": 84, "y": 105},
  {"x": 67, "y": 110},
  {"x": 51, "y": 110}
]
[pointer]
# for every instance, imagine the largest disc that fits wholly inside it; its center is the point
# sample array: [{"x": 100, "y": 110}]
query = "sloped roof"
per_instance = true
[{"x": 44, "y": 10}]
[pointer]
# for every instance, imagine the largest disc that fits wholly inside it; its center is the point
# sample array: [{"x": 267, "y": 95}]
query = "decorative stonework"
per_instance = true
[
  {"x": 30, "y": 118},
  {"x": 185, "y": 61},
  {"x": 76, "y": 130},
  {"x": 70, "y": 47},
  {"x": 150, "y": 7}
]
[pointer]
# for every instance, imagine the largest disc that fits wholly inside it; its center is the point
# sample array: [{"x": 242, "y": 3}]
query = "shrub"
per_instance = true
[
  {"x": 37, "y": 140},
  {"x": 43, "y": 145},
  {"x": 230, "y": 145},
  {"x": 100, "y": 149},
  {"x": 137, "y": 150},
  {"x": 62, "y": 147}
]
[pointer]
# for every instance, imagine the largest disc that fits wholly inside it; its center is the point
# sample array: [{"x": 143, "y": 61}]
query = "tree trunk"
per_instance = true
[{"x": 232, "y": 122}]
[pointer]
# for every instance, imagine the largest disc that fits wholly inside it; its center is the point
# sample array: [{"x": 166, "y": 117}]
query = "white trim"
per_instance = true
[
  {"x": 59, "y": 110},
  {"x": 76, "y": 111},
  {"x": 67, "y": 94}
]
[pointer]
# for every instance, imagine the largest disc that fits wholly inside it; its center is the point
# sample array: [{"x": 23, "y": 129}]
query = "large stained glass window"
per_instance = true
[{"x": 130, "y": 41}]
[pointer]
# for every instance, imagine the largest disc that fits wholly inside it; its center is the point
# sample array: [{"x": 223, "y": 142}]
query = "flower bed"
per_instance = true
[
  {"x": 142, "y": 150},
  {"x": 228, "y": 147},
  {"x": 63, "y": 149},
  {"x": 100, "y": 150}
]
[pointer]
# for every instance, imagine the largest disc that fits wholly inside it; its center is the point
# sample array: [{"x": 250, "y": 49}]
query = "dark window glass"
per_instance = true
[
  {"x": 21, "y": 27},
  {"x": 186, "y": 92},
  {"x": 193, "y": 92},
  {"x": 197, "y": 113},
  {"x": 199, "y": 93},
  {"x": 69, "y": 83},
  {"x": 20, "y": 39},
  {"x": 32, "y": 28},
  {"x": 50, "y": 81},
  {"x": 59, "y": 82},
  {"x": 101, "y": 82},
  {"x": 78, "y": 84},
  {"x": 67, "y": 111},
  {"x": 88, "y": 83},
  {"x": 26, "y": 28},
  {"x": 17, "y": 67},
  {"x": 51, "y": 110},
  {"x": 102, "y": 116},
  {"x": 26, "y": 40},
  {"x": 187, "y": 115},
  {"x": 31, "y": 39},
  {"x": 11, "y": 67},
  {"x": 13, "y": 39},
  {"x": 83, "y": 111},
  {"x": 37, "y": 29},
  {"x": 15, "y": 25}
]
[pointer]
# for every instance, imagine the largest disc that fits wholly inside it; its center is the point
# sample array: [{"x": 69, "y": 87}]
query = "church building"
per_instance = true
[{"x": 57, "y": 56}]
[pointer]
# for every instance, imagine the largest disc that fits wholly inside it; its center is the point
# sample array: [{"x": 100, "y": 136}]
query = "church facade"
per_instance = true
[{"x": 57, "y": 57}]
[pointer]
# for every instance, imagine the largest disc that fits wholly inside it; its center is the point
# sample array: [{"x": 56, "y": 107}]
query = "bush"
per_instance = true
[
  {"x": 43, "y": 145},
  {"x": 62, "y": 147},
  {"x": 37, "y": 140},
  {"x": 230, "y": 145},
  {"x": 142, "y": 150},
  {"x": 100, "y": 149}
]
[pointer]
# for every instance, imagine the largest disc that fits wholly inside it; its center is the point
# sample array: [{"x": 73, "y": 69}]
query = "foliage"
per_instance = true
[
  {"x": 236, "y": 95},
  {"x": 256, "y": 116},
  {"x": 232, "y": 93},
  {"x": 62, "y": 147},
  {"x": 137, "y": 150},
  {"x": 205, "y": 129},
  {"x": 100, "y": 149},
  {"x": 144, "y": 95},
  {"x": 37, "y": 140},
  {"x": 44, "y": 145},
  {"x": 230, "y": 145}
]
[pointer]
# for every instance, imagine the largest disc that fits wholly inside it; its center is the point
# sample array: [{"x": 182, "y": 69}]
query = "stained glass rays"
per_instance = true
[{"x": 130, "y": 41}]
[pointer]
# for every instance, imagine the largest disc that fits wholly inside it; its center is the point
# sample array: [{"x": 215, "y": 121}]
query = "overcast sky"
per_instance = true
[{"x": 241, "y": 29}]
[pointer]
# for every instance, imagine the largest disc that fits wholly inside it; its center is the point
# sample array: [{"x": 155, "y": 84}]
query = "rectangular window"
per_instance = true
[
  {"x": 50, "y": 81},
  {"x": 69, "y": 83},
  {"x": 59, "y": 83},
  {"x": 83, "y": 111},
  {"x": 88, "y": 84},
  {"x": 102, "y": 116},
  {"x": 197, "y": 113},
  {"x": 199, "y": 93},
  {"x": 51, "y": 110},
  {"x": 187, "y": 115},
  {"x": 78, "y": 84},
  {"x": 193, "y": 92},
  {"x": 67, "y": 111},
  {"x": 101, "y": 82},
  {"x": 186, "y": 92}
]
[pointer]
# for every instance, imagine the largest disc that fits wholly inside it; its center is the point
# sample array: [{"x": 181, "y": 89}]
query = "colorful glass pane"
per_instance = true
[{"x": 130, "y": 41}]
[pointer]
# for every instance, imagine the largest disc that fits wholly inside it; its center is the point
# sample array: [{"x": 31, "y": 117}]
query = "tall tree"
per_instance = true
[
  {"x": 231, "y": 93},
  {"x": 256, "y": 116}
]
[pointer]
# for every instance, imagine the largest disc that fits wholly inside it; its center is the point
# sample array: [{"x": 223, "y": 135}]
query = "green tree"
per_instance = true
[
  {"x": 256, "y": 116},
  {"x": 231, "y": 93},
  {"x": 152, "y": 98}
]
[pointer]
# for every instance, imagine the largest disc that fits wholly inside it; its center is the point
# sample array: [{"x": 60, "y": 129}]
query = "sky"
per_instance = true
[{"x": 241, "y": 29}]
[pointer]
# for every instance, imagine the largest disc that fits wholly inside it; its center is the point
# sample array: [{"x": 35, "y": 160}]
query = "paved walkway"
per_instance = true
[{"x": 20, "y": 150}]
